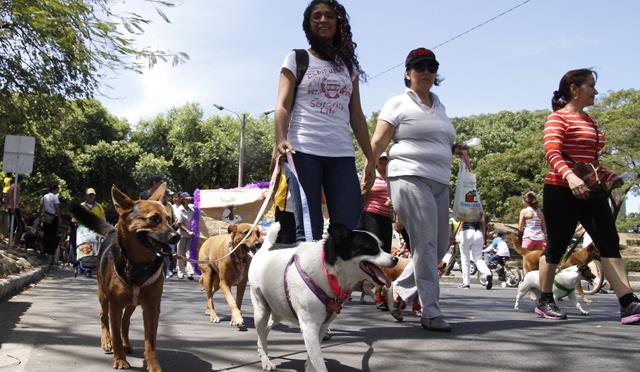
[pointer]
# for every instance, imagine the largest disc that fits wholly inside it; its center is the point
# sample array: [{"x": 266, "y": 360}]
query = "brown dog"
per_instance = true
[
  {"x": 130, "y": 270},
  {"x": 224, "y": 270}
]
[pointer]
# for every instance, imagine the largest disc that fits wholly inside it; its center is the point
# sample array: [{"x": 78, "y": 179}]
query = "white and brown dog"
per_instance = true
[
  {"x": 564, "y": 285},
  {"x": 306, "y": 284}
]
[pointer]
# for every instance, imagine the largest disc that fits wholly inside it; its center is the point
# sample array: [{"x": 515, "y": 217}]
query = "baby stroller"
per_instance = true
[{"x": 87, "y": 246}]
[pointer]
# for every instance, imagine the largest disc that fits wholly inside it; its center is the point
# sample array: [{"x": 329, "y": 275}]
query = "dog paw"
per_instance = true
[
  {"x": 237, "y": 321},
  {"x": 584, "y": 313},
  {"x": 154, "y": 367},
  {"x": 214, "y": 319},
  {"x": 268, "y": 366},
  {"x": 105, "y": 343},
  {"x": 121, "y": 364}
]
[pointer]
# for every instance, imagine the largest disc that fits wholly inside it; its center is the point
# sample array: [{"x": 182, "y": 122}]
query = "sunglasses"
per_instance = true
[{"x": 426, "y": 66}]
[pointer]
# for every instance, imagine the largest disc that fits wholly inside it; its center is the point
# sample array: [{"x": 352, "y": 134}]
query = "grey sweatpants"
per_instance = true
[{"x": 423, "y": 207}]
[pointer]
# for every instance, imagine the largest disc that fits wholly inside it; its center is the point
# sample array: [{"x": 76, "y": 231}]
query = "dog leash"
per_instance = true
[
  {"x": 267, "y": 199},
  {"x": 306, "y": 215},
  {"x": 303, "y": 200}
]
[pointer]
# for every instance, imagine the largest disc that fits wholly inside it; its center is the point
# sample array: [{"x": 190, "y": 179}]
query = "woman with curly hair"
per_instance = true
[{"x": 313, "y": 117}]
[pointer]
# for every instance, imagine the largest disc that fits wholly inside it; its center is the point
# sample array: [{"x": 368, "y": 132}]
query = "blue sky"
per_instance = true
[{"x": 512, "y": 63}]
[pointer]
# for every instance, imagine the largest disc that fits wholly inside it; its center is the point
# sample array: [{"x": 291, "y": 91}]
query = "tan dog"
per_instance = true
[
  {"x": 130, "y": 263},
  {"x": 225, "y": 270},
  {"x": 531, "y": 259},
  {"x": 580, "y": 257}
]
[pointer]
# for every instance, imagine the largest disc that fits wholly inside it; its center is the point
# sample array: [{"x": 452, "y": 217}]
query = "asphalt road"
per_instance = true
[{"x": 54, "y": 327}]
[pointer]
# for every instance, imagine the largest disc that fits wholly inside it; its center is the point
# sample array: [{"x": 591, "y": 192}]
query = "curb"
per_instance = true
[{"x": 14, "y": 284}]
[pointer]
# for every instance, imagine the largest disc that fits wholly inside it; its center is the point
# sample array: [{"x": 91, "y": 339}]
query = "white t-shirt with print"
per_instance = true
[
  {"x": 319, "y": 120},
  {"x": 423, "y": 138}
]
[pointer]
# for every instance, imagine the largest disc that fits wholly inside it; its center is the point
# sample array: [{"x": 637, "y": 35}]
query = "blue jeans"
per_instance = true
[{"x": 337, "y": 177}]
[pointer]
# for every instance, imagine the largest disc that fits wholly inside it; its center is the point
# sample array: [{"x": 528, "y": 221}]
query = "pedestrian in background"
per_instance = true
[
  {"x": 170, "y": 262},
  {"x": 13, "y": 207},
  {"x": 472, "y": 241},
  {"x": 185, "y": 217},
  {"x": 531, "y": 224},
  {"x": 377, "y": 213},
  {"x": 92, "y": 205},
  {"x": 50, "y": 219}
]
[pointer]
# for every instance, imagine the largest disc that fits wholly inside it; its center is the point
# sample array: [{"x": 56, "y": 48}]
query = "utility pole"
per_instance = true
[{"x": 243, "y": 123}]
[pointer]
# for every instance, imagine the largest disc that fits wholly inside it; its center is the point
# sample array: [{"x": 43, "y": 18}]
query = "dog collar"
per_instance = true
[
  {"x": 332, "y": 305},
  {"x": 333, "y": 281}
]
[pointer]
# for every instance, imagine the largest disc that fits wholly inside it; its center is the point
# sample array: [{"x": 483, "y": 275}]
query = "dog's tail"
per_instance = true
[
  {"x": 272, "y": 235},
  {"x": 90, "y": 220},
  {"x": 517, "y": 245}
]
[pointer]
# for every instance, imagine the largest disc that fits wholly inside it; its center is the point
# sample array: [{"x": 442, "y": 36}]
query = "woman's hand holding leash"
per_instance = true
[
  {"x": 369, "y": 177},
  {"x": 578, "y": 187},
  {"x": 282, "y": 147}
]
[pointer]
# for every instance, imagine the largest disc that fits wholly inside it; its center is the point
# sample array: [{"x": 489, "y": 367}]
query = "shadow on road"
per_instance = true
[
  {"x": 172, "y": 360},
  {"x": 11, "y": 314}
]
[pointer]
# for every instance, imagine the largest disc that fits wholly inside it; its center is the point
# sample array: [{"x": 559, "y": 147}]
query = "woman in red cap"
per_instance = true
[{"x": 418, "y": 174}]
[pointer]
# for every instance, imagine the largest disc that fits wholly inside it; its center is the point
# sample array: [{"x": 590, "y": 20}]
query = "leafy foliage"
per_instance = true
[{"x": 53, "y": 52}]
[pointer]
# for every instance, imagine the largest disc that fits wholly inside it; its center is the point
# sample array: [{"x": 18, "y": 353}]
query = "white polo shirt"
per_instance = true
[
  {"x": 423, "y": 137},
  {"x": 319, "y": 120},
  {"x": 49, "y": 202}
]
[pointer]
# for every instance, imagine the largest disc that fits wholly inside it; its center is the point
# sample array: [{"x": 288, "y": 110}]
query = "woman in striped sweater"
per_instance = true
[{"x": 570, "y": 135}]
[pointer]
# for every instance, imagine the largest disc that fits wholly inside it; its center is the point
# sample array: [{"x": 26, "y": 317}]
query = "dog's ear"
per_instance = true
[
  {"x": 159, "y": 192},
  {"x": 121, "y": 201},
  {"x": 339, "y": 232},
  {"x": 232, "y": 228},
  {"x": 337, "y": 243}
]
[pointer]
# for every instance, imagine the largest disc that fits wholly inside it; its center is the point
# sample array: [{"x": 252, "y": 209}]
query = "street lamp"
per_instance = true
[{"x": 243, "y": 123}]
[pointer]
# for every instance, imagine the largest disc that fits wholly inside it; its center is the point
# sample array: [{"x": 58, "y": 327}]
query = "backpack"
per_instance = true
[{"x": 302, "y": 63}]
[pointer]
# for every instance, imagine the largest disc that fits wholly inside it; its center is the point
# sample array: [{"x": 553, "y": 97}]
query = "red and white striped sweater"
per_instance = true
[{"x": 572, "y": 134}]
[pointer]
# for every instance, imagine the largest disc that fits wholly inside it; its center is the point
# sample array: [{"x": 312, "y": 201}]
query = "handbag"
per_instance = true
[{"x": 591, "y": 173}]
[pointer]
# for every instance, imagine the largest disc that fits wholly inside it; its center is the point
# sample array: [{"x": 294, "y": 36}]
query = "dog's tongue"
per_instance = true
[{"x": 379, "y": 274}]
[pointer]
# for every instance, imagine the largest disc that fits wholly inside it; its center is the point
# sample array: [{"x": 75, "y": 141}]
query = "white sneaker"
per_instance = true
[{"x": 180, "y": 276}]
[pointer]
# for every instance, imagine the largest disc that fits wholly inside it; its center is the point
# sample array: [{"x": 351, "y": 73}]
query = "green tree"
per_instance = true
[
  {"x": 618, "y": 114},
  {"x": 107, "y": 163},
  {"x": 57, "y": 48}
]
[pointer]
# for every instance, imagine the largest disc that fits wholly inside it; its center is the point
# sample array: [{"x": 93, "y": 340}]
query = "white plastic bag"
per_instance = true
[{"x": 466, "y": 203}]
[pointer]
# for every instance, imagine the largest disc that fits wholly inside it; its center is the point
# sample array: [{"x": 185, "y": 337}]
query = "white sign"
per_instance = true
[{"x": 18, "y": 154}]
